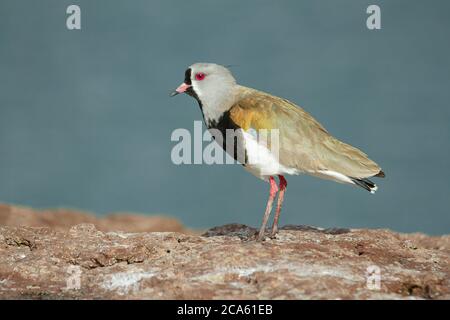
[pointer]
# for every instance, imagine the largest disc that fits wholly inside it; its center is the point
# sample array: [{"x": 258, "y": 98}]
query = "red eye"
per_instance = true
[{"x": 200, "y": 76}]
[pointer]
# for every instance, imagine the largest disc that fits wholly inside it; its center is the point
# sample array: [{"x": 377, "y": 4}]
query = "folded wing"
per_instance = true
[{"x": 304, "y": 143}]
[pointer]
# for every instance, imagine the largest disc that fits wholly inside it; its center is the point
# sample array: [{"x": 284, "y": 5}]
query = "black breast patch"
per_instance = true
[{"x": 237, "y": 149}]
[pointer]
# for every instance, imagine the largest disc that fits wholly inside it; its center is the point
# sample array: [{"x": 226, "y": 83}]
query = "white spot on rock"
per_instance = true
[{"x": 126, "y": 282}]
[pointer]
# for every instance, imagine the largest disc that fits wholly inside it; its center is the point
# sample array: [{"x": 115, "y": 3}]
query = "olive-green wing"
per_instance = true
[{"x": 304, "y": 143}]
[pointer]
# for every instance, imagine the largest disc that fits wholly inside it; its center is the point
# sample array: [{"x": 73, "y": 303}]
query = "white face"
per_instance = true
[{"x": 214, "y": 86}]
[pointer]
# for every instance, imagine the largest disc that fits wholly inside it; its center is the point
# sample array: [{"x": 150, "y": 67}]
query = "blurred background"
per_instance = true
[{"x": 85, "y": 117}]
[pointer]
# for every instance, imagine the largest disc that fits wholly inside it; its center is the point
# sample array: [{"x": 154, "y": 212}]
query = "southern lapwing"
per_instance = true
[{"x": 303, "y": 145}]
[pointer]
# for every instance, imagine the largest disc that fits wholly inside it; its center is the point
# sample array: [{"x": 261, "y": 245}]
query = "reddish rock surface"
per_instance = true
[
  {"x": 64, "y": 219},
  {"x": 224, "y": 263}
]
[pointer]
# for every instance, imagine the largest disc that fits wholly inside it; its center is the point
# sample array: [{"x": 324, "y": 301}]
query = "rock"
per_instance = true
[
  {"x": 63, "y": 219},
  {"x": 226, "y": 263}
]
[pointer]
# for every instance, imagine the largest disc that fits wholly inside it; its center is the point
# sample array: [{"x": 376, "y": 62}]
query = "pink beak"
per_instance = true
[{"x": 182, "y": 88}]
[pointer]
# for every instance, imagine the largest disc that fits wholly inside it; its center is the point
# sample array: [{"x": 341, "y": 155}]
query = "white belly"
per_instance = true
[{"x": 262, "y": 161}]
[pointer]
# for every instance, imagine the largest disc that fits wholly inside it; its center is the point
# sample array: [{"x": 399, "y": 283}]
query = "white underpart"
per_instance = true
[
  {"x": 261, "y": 161},
  {"x": 338, "y": 177}
]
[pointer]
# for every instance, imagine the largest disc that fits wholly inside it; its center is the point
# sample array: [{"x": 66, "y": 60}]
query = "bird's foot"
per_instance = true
[
  {"x": 274, "y": 232},
  {"x": 261, "y": 236}
]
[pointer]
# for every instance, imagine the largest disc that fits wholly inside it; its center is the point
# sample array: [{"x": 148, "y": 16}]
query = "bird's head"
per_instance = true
[{"x": 209, "y": 83}]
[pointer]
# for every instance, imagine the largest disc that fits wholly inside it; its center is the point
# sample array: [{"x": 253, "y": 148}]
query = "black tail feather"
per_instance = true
[
  {"x": 380, "y": 174},
  {"x": 365, "y": 183}
]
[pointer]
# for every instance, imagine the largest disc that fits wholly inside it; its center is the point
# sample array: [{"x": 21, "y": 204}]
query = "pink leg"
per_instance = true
[
  {"x": 272, "y": 194},
  {"x": 283, "y": 185}
]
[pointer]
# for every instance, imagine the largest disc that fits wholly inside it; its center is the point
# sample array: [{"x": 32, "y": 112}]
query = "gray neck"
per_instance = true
[{"x": 216, "y": 102}]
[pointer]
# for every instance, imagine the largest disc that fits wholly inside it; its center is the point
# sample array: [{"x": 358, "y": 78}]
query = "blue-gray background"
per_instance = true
[{"x": 85, "y": 118}]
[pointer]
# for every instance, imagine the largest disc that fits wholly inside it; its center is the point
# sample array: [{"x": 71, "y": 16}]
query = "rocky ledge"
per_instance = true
[{"x": 84, "y": 262}]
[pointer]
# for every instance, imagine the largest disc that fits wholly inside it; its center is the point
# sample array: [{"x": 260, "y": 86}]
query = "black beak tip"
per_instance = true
[{"x": 174, "y": 93}]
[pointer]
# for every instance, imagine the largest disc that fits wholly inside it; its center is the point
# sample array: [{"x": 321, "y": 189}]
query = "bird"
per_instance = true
[{"x": 303, "y": 145}]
